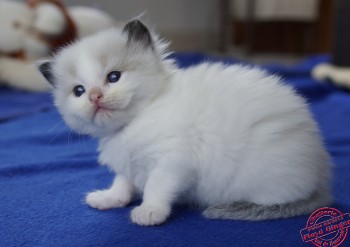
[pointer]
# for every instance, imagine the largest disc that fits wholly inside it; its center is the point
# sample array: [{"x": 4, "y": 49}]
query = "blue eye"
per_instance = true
[
  {"x": 78, "y": 90},
  {"x": 113, "y": 76}
]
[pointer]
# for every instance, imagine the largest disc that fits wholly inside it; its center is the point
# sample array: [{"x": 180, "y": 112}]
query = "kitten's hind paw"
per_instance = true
[
  {"x": 105, "y": 199},
  {"x": 149, "y": 215}
]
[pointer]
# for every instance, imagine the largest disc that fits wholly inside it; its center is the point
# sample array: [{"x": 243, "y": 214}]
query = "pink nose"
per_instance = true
[{"x": 95, "y": 95}]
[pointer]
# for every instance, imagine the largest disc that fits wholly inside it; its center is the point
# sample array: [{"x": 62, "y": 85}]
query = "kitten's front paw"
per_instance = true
[
  {"x": 145, "y": 215},
  {"x": 104, "y": 199}
]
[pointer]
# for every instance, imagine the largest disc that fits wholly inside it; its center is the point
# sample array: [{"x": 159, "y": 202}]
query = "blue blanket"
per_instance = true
[{"x": 45, "y": 171}]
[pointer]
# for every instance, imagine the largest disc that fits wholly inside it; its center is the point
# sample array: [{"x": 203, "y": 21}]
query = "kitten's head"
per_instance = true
[{"x": 101, "y": 82}]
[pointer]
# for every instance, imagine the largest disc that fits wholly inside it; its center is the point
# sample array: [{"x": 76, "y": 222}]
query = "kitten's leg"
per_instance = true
[
  {"x": 118, "y": 195},
  {"x": 164, "y": 184}
]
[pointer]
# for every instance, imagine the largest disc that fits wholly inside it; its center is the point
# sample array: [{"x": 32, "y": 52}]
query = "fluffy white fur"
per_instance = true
[{"x": 208, "y": 135}]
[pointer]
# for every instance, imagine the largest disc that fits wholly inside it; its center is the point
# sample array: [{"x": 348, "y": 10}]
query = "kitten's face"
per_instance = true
[{"x": 102, "y": 81}]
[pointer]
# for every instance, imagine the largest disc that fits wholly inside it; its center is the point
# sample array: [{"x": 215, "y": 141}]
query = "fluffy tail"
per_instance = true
[
  {"x": 255, "y": 212},
  {"x": 22, "y": 75}
]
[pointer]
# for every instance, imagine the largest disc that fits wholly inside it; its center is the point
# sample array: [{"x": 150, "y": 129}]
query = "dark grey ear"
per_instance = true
[
  {"x": 138, "y": 32},
  {"x": 45, "y": 68}
]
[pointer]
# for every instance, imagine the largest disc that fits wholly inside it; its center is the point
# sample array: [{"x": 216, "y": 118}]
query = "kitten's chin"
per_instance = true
[
  {"x": 101, "y": 125},
  {"x": 102, "y": 116},
  {"x": 98, "y": 131}
]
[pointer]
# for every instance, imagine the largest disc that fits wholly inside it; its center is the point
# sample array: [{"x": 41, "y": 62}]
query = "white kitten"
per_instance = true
[{"x": 230, "y": 139}]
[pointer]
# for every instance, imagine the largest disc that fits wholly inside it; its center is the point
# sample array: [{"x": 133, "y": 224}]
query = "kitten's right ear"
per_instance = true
[{"x": 45, "y": 68}]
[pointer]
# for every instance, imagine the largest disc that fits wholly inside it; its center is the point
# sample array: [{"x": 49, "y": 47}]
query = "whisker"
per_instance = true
[
  {"x": 79, "y": 140},
  {"x": 69, "y": 139},
  {"x": 54, "y": 138},
  {"x": 54, "y": 127},
  {"x": 84, "y": 143}
]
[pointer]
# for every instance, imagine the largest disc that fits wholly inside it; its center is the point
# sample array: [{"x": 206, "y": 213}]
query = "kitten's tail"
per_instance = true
[
  {"x": 255, "y": 212},
  {"x": 22, "y": 75}
]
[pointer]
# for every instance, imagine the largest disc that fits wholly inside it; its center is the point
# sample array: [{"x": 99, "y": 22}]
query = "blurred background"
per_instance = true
[
  {"x": 261, "y": 31},
  {"x": 189, "y": 25},
  {"x": 254, "y": 31}
]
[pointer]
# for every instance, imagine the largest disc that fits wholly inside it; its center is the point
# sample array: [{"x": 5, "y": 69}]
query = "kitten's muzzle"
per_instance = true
[
  {"x": 96, "y": 99},
  {"x": 95, "y": 95}
]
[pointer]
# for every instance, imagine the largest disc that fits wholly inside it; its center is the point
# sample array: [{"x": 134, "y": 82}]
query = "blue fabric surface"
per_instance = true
[
  {"x": 45, "y": 171},
  {"x": 15, "y": 103}
]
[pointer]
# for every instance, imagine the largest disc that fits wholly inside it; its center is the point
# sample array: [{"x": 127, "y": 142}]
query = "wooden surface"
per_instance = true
[{"x": 288, "y": 36}]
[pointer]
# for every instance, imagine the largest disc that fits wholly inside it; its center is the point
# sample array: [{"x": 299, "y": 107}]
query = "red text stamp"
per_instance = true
[{"x": 326, "y": 227}]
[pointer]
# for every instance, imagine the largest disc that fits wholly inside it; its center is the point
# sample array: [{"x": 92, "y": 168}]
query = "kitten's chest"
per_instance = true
[{"x": 126, "y": 159}]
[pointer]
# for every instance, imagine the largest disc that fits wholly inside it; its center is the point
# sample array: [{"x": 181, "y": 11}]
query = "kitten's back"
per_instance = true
[{"x": 242, "y": 119}]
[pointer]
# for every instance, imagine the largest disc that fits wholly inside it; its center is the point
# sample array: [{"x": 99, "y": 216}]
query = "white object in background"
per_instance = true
[
  {"x": 19, "y": 25},
  {"x": 49, "y": 19},
  {"x": 90, "y": 20},
  {"x": 338, "y": 75},
  {"x": 15, "y": 18},
  {"x": 277, "y": 10},
  {"x": 22, "y": 75}
]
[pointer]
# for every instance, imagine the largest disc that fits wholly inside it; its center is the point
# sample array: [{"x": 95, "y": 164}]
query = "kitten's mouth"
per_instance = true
[{"x": 101, "y": 110}]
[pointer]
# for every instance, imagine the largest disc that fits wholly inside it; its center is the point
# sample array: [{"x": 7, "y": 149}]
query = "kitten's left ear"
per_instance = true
[
  {"x": 138, "y": 33},
  {"x": 45, "y": 68}
]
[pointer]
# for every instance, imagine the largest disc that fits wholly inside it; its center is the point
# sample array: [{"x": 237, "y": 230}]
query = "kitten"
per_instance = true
[{"x": 232, "y": 140}]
